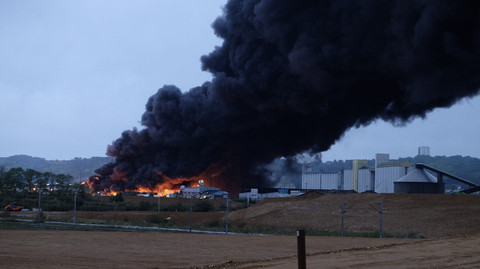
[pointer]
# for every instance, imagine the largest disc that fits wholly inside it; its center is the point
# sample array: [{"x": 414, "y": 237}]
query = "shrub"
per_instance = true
[
  {"x": 203, "y": 206},
  {"x": 42, "y": 217},
  {"x": 5, "y": 214},
  {"x": 154, "y": 219},
  {"x": 144, "y": 205},
  {"x": 212, "y": 223},
  {"x": 241, "y": 224},
  {"x": 176, "y": 207}
]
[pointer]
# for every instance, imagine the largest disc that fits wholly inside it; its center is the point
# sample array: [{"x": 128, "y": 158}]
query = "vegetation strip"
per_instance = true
[{"x": 133, "y": 227}]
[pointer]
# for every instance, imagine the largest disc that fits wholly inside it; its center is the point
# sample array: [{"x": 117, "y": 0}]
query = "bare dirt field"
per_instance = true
[
  {"x": 74, "y": 249},
  {"x": 446, "y": 230}
]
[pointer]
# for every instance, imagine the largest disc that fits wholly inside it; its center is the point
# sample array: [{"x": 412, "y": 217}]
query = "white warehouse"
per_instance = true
[{"x": 360, "y": 178}]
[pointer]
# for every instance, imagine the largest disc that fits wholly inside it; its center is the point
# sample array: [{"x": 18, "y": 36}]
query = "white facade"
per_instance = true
[
  {"x": 385, "y": 176},
  {"x": 311, "y": 180},
  {"x": 347, "y": 180},
  {"x": 331, "y": 180},
  {"x": 365, "y": 181},
  {"x": 321, "y": 180}
]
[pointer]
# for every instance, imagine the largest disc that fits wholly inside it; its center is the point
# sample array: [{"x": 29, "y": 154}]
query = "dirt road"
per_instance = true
[{"x": 74, "y": 249}]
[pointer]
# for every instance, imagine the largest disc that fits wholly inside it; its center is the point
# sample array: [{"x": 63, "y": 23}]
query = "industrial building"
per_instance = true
[
  {"x": 361, "y": 178},
  {"x": 418, "y": 181},
  {"x": 203, "y": 192},
  {"x": 385, "y": 177},
  {"x": 387, "y": 172},
  {"x": 255, "y": 195},
  {"x": 423, "y": 150}
]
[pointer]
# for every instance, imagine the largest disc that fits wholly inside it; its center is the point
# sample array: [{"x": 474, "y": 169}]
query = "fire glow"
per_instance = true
[
  {"x": 168, "y": 186},
  {"x": 291, "y": 77}
]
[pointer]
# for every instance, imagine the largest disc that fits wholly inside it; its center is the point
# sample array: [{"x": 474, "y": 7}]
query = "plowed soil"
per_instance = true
[
  {"x": 447, "y": 228},
  {"x": 73, "y": 249}
]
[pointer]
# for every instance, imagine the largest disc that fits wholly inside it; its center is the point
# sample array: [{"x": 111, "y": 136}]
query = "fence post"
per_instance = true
[
  {"x": 343, "y": 212},
  {"x": 191, "y": 208},
  {"x": 226, "y": 226},
  {"x": 381, "y": 218},
  {"x": 39, "y": 205},
  {"x": 302, "y": 257},
  {"x": 75, "y": 211},
  {"x": 159, "y": 194}
]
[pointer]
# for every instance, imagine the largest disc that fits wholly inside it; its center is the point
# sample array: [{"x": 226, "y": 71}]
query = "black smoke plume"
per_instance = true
[{"x": 292, "y": 77}]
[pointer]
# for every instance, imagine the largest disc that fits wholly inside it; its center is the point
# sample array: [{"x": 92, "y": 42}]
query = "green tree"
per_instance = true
[
  {"x": 42, "y": 181},
  {"x": 62, "y": 182},
  {"x": 14, "y": 179},
  {"x": 31, "y": 176}
]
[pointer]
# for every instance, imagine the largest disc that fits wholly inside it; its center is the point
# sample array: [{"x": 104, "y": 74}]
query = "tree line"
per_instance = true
[
  {"x": 24, "y": 185},
  {"x": 20, "y": 180},
  {"x": 79, "y": 168}
]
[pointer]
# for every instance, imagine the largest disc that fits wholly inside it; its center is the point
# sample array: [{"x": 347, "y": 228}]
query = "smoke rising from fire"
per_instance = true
[{"x": 292, "y": 77}]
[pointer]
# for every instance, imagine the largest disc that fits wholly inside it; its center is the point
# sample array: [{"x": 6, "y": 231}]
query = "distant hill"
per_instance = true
[
  {"x": 79, "y": 168},
  {"x": 465, "y": 167}
]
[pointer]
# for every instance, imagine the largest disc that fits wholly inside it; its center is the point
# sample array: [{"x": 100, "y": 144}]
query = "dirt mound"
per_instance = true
[{"x": 427, "y": 215}]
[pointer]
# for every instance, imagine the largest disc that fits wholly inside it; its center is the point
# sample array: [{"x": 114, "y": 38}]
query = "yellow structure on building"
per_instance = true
[{"x": 357, "y": 164}]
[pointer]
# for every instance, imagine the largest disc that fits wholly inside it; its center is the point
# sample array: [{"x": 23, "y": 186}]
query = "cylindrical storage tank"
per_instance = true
[
  {"x": 418, "y": 181},
  {"x": 415, "y": 187}
]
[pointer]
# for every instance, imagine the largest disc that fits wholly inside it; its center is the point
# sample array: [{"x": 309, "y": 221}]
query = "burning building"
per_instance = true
[{"x": 291, "y": 77}]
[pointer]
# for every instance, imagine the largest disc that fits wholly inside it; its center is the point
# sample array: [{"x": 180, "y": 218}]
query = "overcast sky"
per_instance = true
[{"x": 75, "y": 74}]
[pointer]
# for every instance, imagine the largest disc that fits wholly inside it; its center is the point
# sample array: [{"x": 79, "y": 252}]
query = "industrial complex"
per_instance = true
[{"x": 385, "y": 177}]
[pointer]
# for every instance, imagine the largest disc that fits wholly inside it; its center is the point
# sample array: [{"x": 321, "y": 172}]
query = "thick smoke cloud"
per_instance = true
[{"x": 292, "y": 77}]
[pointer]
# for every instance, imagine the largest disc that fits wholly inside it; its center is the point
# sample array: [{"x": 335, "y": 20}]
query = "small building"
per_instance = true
[
  {"x": 221, "y": 195},
  {"x": 200, "y": 192},
  {"x": 418, "y": 181},
  {"x": 255, "y": 195},
  {"x": 423, "y": 150}
]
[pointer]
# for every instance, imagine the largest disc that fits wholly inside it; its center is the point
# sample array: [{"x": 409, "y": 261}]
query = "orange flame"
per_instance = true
[{"x": 169, "y": 185}]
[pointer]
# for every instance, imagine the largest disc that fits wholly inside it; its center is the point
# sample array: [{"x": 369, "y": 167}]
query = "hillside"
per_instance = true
[
  {"x": 426, "y": 215},
  {"x": 79, "y": 168}
]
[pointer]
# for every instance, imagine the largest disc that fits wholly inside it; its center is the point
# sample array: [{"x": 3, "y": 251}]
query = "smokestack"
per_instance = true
[
  {"x": 292, "y": 77},
  {"x": 210, "y": 181}
]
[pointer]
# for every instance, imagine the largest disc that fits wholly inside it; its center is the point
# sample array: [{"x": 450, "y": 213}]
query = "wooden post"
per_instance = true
[{"x": 302, "y": 257}]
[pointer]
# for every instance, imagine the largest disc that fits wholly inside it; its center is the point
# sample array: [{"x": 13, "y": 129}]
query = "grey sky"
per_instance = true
[{"x": 75, "y": 74}]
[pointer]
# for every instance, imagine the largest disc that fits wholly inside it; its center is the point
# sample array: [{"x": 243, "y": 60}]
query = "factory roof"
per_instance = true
[
  {"x": 200, "y": 189},
  {"x": 418, "y": 175}
]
